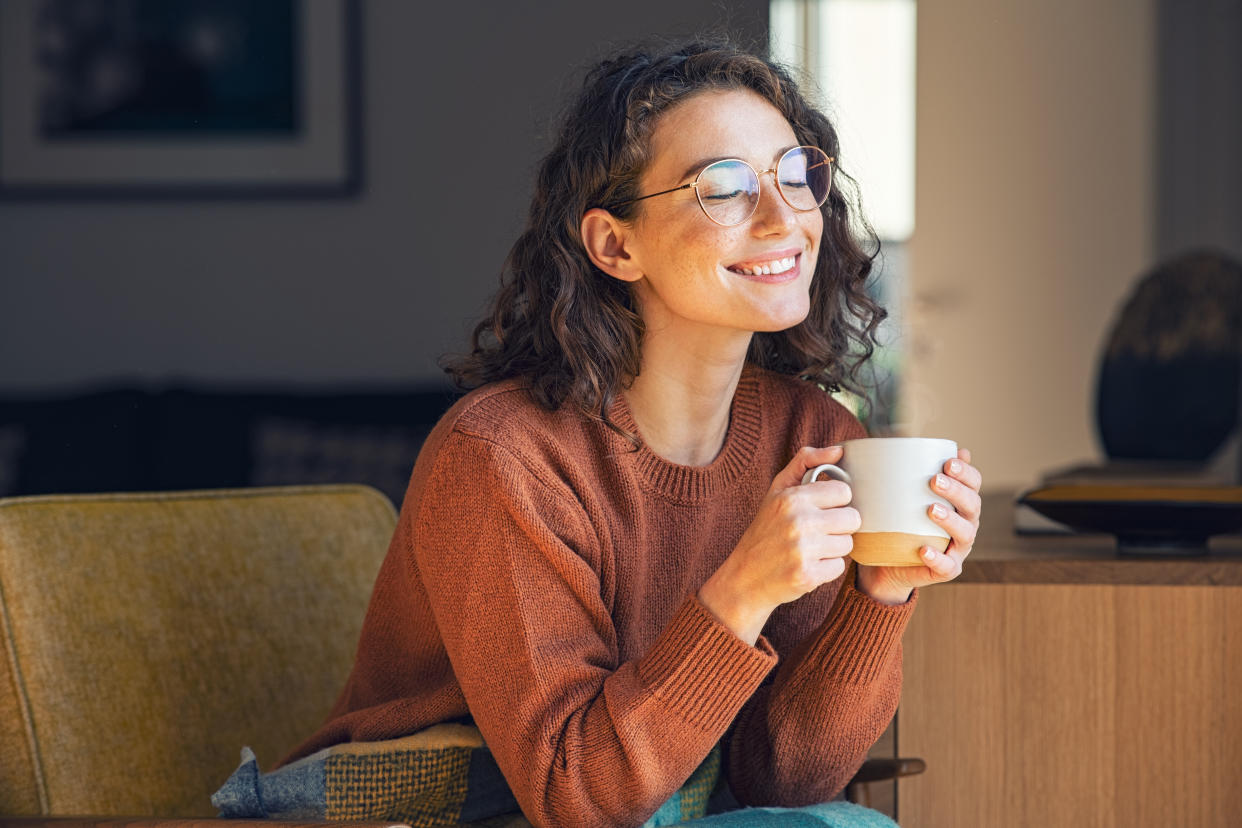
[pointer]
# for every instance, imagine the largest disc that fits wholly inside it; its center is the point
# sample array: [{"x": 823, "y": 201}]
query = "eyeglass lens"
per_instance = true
[{"x": 729, "y": 190}]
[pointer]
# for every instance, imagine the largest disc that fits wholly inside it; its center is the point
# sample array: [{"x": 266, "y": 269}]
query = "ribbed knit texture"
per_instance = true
[{"x": 542, "y": 580}]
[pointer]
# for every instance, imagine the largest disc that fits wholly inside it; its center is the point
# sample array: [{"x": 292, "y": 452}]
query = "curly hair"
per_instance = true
[{"x": 575, "y": 333}]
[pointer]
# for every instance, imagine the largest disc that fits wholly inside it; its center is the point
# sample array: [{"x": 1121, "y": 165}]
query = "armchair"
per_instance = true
[{"x": 144, "y": 638}]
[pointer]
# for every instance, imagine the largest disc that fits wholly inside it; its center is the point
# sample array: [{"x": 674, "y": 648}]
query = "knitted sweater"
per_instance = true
[{"x": 542, "y": 580}]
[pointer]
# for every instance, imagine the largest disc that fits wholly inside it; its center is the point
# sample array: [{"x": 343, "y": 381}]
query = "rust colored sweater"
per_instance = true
[{"x": 542, "y": 579}]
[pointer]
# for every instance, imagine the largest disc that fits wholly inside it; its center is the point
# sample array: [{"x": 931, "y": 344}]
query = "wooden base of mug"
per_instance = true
[{"x": 893, "y": 548}]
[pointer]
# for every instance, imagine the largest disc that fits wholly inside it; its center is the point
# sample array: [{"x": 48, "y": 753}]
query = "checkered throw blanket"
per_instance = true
[{"x": 446, "y": 776}]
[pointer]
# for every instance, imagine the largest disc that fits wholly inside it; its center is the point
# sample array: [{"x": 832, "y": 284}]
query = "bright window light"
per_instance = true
[{"x": 860, "y": 54}]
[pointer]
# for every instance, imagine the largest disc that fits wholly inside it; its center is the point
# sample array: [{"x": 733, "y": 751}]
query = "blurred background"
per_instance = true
[{"x": 237, "y": 237}]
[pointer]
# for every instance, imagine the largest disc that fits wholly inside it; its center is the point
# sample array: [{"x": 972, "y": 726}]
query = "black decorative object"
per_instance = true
[
  {"x": 1168, "y": 385},
  {"x": 1146, "y": 520}
]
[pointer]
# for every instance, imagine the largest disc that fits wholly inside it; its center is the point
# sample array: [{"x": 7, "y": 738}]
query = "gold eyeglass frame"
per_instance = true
[{"x": 828, "y": 159}]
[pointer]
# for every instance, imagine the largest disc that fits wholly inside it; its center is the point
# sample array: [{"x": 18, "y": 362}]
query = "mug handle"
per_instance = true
[{"x": 834, "y": 472}]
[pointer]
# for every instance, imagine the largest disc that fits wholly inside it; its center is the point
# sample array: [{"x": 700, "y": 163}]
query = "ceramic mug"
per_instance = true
[{"x": 890, "y": 478}]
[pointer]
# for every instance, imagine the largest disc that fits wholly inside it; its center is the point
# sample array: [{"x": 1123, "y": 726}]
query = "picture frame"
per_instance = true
[{"x": 193, "y": 99}]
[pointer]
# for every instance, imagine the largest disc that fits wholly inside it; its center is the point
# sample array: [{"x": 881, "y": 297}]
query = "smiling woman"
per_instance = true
[
  {"x": 606, "y": 561},
  {"x": 609, "y": 160},
  {"x": 702, "y": 288}
]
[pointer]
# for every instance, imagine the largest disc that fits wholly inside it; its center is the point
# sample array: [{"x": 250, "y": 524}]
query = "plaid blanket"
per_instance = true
[{"x": 446, "y": 776}]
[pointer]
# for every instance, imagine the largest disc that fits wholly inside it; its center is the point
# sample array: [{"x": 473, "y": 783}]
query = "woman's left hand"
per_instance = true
[{"x": 961, "y": 483}]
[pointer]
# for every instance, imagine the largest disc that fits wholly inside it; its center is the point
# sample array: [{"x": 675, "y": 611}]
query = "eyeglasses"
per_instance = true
[{"x": 728, "y": 190}]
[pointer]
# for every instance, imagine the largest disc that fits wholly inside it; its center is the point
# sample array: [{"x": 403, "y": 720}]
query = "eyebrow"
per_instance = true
[{"x": 695, "y": 168}]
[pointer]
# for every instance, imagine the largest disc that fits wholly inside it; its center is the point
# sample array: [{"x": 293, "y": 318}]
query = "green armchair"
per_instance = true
[{"x": 147, "y": 637}]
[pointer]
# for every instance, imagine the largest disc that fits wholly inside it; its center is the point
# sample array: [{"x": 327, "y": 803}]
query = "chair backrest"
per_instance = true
[{"x": 148, "y": 637}]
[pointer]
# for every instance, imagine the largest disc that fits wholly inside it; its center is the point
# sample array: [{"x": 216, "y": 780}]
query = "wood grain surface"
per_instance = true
[{"x": 1059, "y": 704}]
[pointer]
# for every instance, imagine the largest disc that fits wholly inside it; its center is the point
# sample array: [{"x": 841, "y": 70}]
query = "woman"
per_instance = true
[{"x": 604, "y": 557}]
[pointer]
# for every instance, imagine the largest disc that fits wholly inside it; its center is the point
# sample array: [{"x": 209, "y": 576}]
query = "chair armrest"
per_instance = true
[
  {"x": 179, "y": 822},
  {"x": 876, "y": 770}
]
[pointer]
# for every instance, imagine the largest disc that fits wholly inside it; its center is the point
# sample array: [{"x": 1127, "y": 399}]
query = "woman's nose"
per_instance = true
[{"x": 772, "y": 213}]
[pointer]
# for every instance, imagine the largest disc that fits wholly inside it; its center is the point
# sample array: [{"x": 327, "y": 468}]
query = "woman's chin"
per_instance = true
[{"x": 782, "y": 319}]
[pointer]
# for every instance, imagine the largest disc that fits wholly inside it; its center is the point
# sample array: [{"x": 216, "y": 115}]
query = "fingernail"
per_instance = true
[
  {"x": 955, "y": 467},
  {"x": 938, "y": 510},
  {"x": 929, "y": 553},
  {"x": 942, "y": 482}
]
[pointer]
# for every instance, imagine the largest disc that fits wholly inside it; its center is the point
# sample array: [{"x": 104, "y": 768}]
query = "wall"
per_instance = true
[
  {"x": 458, "y": 102},
  {"x": 1034, "y": 215},
  {"x": 1199, "y": 130}
]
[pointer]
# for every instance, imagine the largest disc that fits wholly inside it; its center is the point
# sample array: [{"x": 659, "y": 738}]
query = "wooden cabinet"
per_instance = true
[{"x": 1055, "y": 684}]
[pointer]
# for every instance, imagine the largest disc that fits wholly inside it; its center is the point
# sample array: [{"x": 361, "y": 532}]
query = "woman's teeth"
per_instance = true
[{"x": 766, "y": 268}]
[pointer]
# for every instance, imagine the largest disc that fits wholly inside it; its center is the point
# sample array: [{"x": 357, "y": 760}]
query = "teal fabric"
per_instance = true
[
  {"x": 827, "y": 815},
  {"x": 669, "y": 813}
]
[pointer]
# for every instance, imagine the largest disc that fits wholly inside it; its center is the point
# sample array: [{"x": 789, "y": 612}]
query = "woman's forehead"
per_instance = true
[{"x": 730, "y": 123}]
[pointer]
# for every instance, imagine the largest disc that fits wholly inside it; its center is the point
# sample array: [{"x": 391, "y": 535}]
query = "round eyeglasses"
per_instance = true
[{"x": 728, "y": 190}]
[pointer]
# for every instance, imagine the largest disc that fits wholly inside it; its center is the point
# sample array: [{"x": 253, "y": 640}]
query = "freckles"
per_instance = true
[{"x": 815, "y": 226}]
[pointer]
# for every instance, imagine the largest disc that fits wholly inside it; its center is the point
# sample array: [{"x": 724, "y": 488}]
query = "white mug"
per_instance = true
[{"x": 890, "y": 478}]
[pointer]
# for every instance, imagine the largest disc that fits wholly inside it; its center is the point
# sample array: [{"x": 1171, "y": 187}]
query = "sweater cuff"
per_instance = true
[
  {"x": 860, "y": 635},
  {"x": 701, "y": 669}
]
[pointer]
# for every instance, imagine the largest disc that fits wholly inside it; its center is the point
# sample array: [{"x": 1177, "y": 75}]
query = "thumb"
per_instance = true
[{"x": 808, "y": 457}]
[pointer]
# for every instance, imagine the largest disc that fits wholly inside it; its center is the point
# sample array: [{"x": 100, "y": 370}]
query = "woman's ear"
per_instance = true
[{"x": 605, "y": 239}]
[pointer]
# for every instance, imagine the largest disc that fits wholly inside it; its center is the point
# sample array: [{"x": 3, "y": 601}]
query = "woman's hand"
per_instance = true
[
  {"x": 798, "y": 540},
  {"x": 961, "y": 484}
]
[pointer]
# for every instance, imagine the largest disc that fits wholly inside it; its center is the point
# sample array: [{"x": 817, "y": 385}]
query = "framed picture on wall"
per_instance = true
[{"x": 193, "y": 98}]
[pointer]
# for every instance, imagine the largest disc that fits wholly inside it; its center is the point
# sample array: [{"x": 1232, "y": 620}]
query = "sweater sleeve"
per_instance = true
[
  {"x": 802, "y": 736},
  {"x": 510, "y": 565}
]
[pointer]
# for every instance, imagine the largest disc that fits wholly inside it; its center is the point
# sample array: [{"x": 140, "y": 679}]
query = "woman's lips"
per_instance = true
[{"x": 780, "y": 269}]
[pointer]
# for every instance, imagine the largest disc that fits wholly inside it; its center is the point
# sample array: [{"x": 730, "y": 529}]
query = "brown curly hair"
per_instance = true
[{"x": 575, "y": 332}]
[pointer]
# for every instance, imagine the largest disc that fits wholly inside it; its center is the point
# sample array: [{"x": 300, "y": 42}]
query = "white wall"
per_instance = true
[
  {"x": 1034, "y": 216},
  {"x": 458, "y": 101}
]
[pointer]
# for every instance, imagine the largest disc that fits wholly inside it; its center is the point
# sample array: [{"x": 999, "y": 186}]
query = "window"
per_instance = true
[{"x": 856, "y": 59}]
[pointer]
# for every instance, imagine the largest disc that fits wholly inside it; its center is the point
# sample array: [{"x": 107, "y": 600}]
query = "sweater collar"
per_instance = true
[{"x": 694, "y": 484}]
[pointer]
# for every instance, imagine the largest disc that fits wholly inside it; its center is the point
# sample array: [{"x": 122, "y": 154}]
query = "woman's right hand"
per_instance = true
[{"x": 798, "y": 540}]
